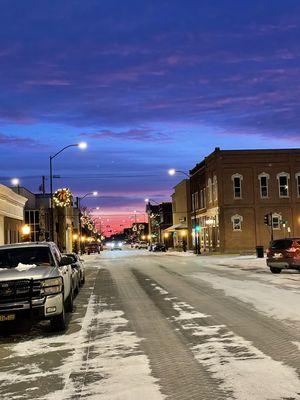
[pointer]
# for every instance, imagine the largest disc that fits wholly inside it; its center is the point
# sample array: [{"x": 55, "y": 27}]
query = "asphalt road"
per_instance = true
[{"x": 159, "y": 326}]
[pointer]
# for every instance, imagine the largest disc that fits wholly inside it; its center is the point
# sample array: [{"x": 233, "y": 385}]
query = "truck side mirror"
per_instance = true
[{"x": 65, "y": 260}]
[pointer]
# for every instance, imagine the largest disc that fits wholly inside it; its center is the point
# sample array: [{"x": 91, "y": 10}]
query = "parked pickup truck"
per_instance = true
[{"x": 35, "y": 283}]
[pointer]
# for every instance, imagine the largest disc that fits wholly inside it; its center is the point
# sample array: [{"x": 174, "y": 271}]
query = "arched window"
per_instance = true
[
  {"x": 283, "y": 184},
  {"x": 297, "y": 176},
  {"x": 210, "y": 190},
  {"x": 237, "y": 222},
  {"x": 264, "y": 185},
  {"x": 215, "y": 188},
  {"x": 276, "y": 221},
  {"x": 237, "y": 185}
]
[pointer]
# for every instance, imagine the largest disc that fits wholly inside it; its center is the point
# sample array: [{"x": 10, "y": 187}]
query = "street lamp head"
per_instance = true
[
  {"x": 82, "y": 145},
  {"x": 26, "y": 230},
  {"x": 147, "y": 200},
  {"x": 172, "y": 171},
  {"x": 95, "y": 193},
  {"x": 15, "y": 181}
]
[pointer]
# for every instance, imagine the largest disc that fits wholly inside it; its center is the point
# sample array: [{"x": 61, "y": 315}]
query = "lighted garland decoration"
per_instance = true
[
  {"x": 86, "y": 221},
  {"x": 63, "y": 198}
]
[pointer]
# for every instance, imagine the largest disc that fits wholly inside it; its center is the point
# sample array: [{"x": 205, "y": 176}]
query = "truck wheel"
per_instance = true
[
  {"x": 275, "y": 270},
  {"x": 59, "y": 322},
  {"x": 70, "y": 302}
]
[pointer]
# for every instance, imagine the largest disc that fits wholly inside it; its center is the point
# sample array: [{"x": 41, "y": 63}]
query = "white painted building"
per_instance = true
[{"x": 11, "y": 215}]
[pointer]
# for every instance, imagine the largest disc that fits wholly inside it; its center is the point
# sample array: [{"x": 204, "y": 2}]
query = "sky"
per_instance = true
[{"x": 149, "y": 85}]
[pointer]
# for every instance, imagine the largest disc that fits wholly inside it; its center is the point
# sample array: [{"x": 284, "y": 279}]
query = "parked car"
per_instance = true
[
  {"x": 159, "y": 247},
  {"x": 78, "y": 266},
  {"x": 91, "y": 248},
  {"x": 283, "y": 254},
  {"x": 142, "y": 245},
  {"x": 36, "y": 283}
]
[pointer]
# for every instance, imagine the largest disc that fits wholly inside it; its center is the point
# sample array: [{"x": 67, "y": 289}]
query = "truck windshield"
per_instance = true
[{"x": 11, "y": 258}]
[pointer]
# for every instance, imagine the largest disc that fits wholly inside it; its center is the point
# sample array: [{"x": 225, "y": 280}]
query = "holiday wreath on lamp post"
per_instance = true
[
  {"x": 63, "y": 198},
  {"x": 86, "y": 221}
]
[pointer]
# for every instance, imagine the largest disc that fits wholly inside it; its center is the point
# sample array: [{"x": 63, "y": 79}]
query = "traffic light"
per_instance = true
[
  {"x": 198, "y": 228},
  {"x": 268, "y": 219}
]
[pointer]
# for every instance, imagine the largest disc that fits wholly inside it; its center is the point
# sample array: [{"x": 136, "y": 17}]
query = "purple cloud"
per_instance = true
[
  {"x": 16, "y": 141},
  {"x": 142, "y": 134}
]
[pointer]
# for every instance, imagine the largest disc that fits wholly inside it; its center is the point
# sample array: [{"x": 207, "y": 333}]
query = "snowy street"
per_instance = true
[{"x": 165, "y": 326}]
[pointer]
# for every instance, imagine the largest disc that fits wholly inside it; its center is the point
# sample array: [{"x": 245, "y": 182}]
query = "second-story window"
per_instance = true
[
  {"x": 283, "y": 184},
  {"x": 215, "y": 188},
  {"x": 237, "y": 185},
  {"x": 210, "y": 190},
  {"x": 298, "y": 183},
  {"x": 202, "y": 199},
  {"x": 195, "y": 201},
  {"x": 264, "y": 185}
]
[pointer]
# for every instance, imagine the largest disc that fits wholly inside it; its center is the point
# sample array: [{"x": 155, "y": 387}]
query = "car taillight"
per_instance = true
[{"x": 292, "y": 250}]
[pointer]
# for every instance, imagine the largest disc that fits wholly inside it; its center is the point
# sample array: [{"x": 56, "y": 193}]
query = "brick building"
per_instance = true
[
  {"x": 181, "y": 208},
  {"x": 232, "y": 190},
  {"x": 160, "y": 217}
]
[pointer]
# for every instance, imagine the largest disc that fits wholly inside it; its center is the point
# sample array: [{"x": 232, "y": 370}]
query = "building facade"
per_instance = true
[
  {"x": 181, "y": 210},
  {"x": 153, "y": 222},
  {"x": 232, "y": 191},
  {"x": 165, "y": 222},
  {"x": 37, "y": 216},
  {"x": 11, "y": 215}
]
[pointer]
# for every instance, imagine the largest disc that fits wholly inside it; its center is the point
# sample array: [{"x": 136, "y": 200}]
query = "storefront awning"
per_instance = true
[{"x": 175, "y": 228}]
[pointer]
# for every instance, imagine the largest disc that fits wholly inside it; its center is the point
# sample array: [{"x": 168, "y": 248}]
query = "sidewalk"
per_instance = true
[
  {"x": 242, "y": 262},
  {"x": 226, "y": 260}
]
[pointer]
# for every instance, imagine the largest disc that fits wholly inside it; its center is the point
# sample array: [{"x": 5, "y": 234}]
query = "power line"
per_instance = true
[{"x": 99, "y": 176}]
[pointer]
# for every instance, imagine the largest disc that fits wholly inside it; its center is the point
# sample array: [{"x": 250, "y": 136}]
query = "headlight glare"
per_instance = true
[
  {"x": 52, "y": 282},
  {"x": 51, "y": 286},
  {"x": 52, "y": 290}
]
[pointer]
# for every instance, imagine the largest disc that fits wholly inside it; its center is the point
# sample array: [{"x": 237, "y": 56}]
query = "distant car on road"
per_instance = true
[
  {"x": 92, "y": 248},
  {"x": 159, "y": 247},
  {"x": 115, "y": 245},
  {"x": 36, "y": 283},
  {"x": 283, "y": 254}
]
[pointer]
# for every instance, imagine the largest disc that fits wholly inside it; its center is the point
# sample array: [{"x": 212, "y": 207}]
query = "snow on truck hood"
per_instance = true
[{"x": 25, "y": 271}]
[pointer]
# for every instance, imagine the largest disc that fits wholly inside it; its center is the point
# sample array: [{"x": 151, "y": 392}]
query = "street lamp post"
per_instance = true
[
  {"x": 16, "y": 182},
  {"x": 172, "y": 172},
  {"x": 82, "y": 146},
  {"x": 89, "y": 194},
  {"x": 151, "y": 201}
]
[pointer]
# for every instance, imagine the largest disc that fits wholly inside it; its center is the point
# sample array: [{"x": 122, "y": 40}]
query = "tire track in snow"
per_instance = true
[{"x": 244, "y": 371}]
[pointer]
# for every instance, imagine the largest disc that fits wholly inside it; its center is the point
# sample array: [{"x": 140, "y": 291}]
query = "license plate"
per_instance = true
[
  {"x": 277, "y": 255},
  {"x": 7, "y": 317}
]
